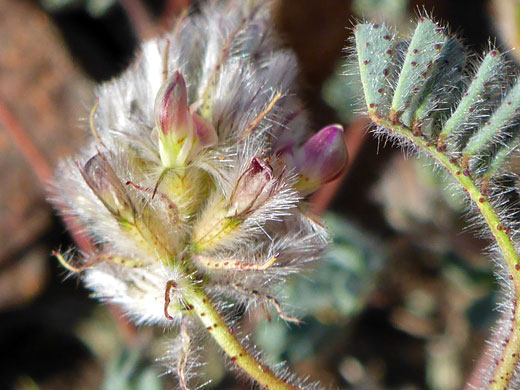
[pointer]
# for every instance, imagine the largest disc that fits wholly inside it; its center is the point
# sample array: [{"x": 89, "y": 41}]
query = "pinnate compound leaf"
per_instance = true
[{"x": 426, "y": 86}]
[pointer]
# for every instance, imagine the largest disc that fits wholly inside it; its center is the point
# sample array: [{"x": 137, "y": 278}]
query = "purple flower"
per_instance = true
[
  {"x": 182, "y": 134},
  {"x": 172, "y": 114},
  {"x": 321, "y": 159}
]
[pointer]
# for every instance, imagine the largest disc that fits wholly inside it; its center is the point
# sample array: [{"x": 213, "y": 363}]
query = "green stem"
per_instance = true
[
  {"x": 224, "y": 337},
  {"x": 508, "y": 361}
]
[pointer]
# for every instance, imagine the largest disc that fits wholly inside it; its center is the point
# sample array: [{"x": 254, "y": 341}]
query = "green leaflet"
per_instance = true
[
  {"x": 473, "y": 98},
  {"x": 497, "y": 124},
  {"x": 374, "y": 47},
  {"x": 442, "y": 87},
  {"x": 498, "y": 160},
  {"x": 424, "y": 49}
]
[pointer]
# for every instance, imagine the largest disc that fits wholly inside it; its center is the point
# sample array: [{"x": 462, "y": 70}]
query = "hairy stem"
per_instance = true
[
  {"x": 211, "y": 263},
  {"x": 224, "y": 337},
  {"x": 508, "y": 361}
]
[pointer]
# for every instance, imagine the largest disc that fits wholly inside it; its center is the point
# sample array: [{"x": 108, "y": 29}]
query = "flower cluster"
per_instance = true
[{"x": 192, "y": 186}]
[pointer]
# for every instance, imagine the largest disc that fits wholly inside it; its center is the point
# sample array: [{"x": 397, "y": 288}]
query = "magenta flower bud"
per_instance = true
[
  {"x": 182, "y": 134},
  {"x": 105, "y": 184},
  {"x": 321, "y": 159},
  {"x": 253, "y": 188},
  {"x": 172, "y": 114}
]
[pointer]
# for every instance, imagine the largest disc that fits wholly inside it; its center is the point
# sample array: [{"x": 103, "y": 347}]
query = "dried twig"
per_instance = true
[{"x": 25, "y": 144}]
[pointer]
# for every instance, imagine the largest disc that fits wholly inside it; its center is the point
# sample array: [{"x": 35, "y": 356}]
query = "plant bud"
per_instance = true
[
  {"x": 102, "y": 180},
  {"x": 181, "y": 133},
  {"x": 172, "y": 114},
  {"x": 321, "y": 159},
  {"x": 253, "y": 188},
  {"x": 206, "y": 135}
]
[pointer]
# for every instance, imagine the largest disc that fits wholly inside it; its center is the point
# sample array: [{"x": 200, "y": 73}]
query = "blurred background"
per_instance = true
[{"x": 403, "y": 300}]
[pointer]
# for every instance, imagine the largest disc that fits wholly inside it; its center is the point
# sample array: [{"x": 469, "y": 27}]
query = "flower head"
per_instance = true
[{"x": 209, "y": 203}]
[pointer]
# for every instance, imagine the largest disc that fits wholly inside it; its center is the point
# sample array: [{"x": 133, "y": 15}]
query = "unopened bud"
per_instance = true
[
  {"x": 172, "y": 114},
  {"x": 105, "y": 184},
  {"x": 181, "y": 133},
  {"x": 321, "y": 159},
  {"x": 253, "y": 188}
]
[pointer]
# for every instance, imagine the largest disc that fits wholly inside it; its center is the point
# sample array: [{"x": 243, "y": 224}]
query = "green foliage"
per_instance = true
[
  {"x": 440, "y": 82},
  {"x": 374, "y": 45},
  {"x": 126, "y": 372},
  {"x": 423, "y": 84},
  {"x": 341, "y": 95},
  {"x": 473, "y": 98},
  {"x": 423, "y": 51},
  {"x": 493, "y": 129},
  {"x": 334, "y": 293},
  {"x": 466, "y": 121}
]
